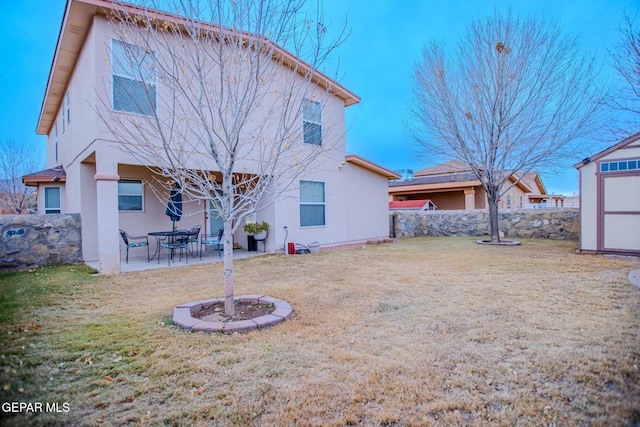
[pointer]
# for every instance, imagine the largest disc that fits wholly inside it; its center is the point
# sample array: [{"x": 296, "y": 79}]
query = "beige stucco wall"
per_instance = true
[
  {"x": 367, "y": 214},
  {"x": 516, "y": 194}
]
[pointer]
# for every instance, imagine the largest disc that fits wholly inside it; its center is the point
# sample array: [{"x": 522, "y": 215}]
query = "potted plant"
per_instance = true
[{"x": 257, "y": 229}]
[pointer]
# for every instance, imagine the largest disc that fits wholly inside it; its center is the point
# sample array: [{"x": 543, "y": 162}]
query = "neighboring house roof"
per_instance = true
[
  {"x": 606, "y": 151},
  {"x": 411, "y": 204},
  {"x": 468, "y": 178},
  {"x": 357, "y": 160},
  {"x": 76, "y": 23},
  {"x": 457, "y": 171},
  {"x": 56, "y": 174},
  {"x": 454, "y": 166}
]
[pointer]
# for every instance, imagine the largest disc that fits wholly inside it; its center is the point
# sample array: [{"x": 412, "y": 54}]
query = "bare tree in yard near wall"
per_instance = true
[
  {"x": 221, "y": 108},
  {"x": 515, "y": 95},
  {"x": 626, "y": 62},
  {"x": 17, "y": 159}
]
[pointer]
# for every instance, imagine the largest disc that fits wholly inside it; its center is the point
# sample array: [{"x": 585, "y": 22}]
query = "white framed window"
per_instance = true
[
  {"x": 312, "y": 204},
  {"x": 52, "y": 203},
  {"x": 312, "y": 122},
  {"x": 130, "y": 195},
  {"x": 133, "y": 72},
  {"x": 621, "y": 165}
]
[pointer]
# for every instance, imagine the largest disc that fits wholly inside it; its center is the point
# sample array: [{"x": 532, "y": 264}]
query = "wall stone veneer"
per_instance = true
[
  {"x": 551, "y": 223},
  {"x": 37, "y": 240}
]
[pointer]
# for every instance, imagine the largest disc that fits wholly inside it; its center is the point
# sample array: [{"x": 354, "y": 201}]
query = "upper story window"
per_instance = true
[
  {"x": 130, "y": 195},
  {"x": 52, "y": 203},
  {"x": 312, "y": 204},
  {"x": 134, "y": 78},
  {"x": 312, "y": 122},
  {"x": 621, "y": 165}
]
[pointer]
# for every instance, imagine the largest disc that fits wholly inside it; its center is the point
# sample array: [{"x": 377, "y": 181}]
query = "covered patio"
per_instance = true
[{"x": 138, "y": 260}]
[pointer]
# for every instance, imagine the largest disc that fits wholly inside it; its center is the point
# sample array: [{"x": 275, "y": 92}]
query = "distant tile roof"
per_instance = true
[
  {"x": 410, "y": 204},
  {"x": 436, "y": 179},
  {"x": 454, "y": 166},
  {"x": 54, "y": 174}
]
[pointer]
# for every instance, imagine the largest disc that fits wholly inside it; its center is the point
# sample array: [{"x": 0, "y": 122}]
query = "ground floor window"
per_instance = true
[
  {"x": 312, "y": 204},
  {"x": 52, "y": 200},
  {"x": 130, "y": 195}
]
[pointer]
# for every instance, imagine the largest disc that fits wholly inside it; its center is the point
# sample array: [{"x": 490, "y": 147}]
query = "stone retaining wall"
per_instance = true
[
  {"x": 553, "y": 223},
  {"x": 37, "y": 240}
]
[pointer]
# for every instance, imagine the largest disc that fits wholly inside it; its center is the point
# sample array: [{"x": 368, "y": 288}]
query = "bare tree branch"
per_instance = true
[{"x": 626, "y": 61}]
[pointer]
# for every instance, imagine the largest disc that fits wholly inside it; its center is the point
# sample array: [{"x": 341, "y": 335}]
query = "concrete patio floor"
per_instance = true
[{"x": 138, "y": 260}]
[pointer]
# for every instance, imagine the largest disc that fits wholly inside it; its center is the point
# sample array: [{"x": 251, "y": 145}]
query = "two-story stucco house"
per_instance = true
[{"x": 111, "y": 189}]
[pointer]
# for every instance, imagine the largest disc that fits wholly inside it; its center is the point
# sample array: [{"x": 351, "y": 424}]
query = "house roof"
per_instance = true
[
  {"x": 362, "y": 162},
  {"x": 78, "y": 17},
  {"x": 409, "y": 204},
  {"x": 606, "y": 151},
  {"x": 454, "y": 166},
  {"x": 456, "y": 174},
  {"x": 438, "y": 179},
  {"x": 55, "y": 174}
]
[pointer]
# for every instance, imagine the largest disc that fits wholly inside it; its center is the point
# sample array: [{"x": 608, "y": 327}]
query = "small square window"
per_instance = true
[
  {"x": 622, "y": 166},
  {"x": 604, "y": 167},
  {"x": 633, "y": 164},
  {"x": 130, "y": 195},
  {"x": 52, "y": 200},
  {"x": 613, "y": 166}
]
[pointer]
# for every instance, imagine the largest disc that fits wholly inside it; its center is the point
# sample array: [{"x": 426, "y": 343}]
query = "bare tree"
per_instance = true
[
  {"x": 515, "y": 95},
  {"x": 17, "y": 159},
  {"x": 221, "y": 103},
  {"x": 626, "y": 62}
]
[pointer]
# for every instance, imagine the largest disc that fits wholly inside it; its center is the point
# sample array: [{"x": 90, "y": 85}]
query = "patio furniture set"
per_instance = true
[{"x": 174, "y": 241}]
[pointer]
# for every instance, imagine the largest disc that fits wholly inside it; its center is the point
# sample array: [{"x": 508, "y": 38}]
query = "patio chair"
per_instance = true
[
  {"x": 134, "y": 242},
  {"x": 192, "y": 238},
  {"x": 212, "y": 239},
  {"x": 172, "y": 243}
]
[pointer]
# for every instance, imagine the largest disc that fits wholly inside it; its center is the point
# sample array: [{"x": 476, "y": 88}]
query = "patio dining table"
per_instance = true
[{"x": 166, "y": 236}]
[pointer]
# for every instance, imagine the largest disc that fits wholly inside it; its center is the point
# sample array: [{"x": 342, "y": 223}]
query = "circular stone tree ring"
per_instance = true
[{"x": 183, "y": 315}]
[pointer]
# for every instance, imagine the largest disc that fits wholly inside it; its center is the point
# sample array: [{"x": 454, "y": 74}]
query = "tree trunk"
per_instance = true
[
  {"x": 228, "y": 268},
  {"x": 493, "y": 219}
]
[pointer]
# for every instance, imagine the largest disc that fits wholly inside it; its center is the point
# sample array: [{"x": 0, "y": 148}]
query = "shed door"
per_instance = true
[{"x": 620, "y": 213}]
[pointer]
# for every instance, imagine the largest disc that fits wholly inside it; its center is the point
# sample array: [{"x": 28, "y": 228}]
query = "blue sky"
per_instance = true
[{"x": 376, "y": 62}]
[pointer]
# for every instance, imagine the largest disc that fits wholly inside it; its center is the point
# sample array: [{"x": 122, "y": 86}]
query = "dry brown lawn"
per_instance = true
[{"x": 428, "y": 331}]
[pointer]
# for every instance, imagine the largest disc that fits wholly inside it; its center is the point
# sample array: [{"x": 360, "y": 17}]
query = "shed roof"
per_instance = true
[{"x": 606, "y": 151}]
